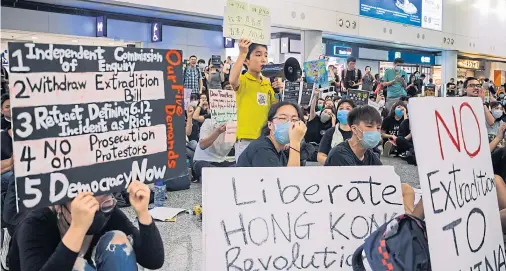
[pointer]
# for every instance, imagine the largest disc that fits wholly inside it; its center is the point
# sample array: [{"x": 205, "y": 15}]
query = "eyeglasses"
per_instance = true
[
  {"x": 108, "y": 205},
  {"x": 284, "y": 118},
  {"x": 474, "y": 86}
]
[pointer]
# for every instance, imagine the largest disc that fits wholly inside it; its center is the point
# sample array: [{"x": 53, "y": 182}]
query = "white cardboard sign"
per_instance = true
[
  {"x": 294, "y": 218},
  {"x": 457, "y": 179}
]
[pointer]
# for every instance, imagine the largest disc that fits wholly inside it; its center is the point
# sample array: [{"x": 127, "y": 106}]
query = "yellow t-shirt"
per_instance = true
[{"x": 254, "y": 99}]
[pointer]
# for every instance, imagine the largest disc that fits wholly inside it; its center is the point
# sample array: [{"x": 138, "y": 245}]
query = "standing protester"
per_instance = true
[
  {"x": 283, "y": 129},
  {"x": 215, "y": 77},
  {"x": 254, "y": 93},
  {"x": 395, "y": 82},
  {"x": 451, "y": 88},
  {"x": 412, "y": 89},
  {"x": 368, "y": 80},
  {"x": 193, "y": 76},
  {"x": 227, "y": 67},
  {"x": 351, "y": 77},
  {"x": 63, "y": 237},
  {"x": 419, "y": 81}
]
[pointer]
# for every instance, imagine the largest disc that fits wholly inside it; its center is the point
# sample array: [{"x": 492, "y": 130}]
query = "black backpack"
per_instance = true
[{"x": 400, "y": 244}]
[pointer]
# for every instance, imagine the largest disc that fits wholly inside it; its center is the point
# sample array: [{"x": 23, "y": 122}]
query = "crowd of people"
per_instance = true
[{"x": 91, "y": 233}]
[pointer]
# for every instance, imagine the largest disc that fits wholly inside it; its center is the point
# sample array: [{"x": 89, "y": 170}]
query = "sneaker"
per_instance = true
[
  {"x": 5, "y": 249},
  {"x": 387, "y": 149}
]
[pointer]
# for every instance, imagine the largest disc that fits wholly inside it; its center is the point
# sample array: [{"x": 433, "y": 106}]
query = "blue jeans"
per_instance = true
[{"x": 113, "y": 252}]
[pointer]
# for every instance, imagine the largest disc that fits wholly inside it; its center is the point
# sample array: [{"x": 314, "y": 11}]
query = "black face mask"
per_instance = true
[{"x": 99, "y": 222}]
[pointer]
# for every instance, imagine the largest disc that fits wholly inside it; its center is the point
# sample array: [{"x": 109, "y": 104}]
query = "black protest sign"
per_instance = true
[
  {"x": 292, "y": 92},
  {"x": 306, "y": 93},
  {"x": 92, "y": 118},
  {"x": 216, "y": 60},
  {"x": 360, "y": 97},
  {"x": 286, "y": 218}
]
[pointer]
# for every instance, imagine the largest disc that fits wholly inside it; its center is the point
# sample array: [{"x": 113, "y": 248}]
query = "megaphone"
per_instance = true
[{"x": 290, "y": 70}]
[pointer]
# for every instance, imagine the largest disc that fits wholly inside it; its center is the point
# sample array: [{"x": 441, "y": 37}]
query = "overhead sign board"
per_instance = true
[
  {"x": 421, "y": 13},
  {"x": 101, "y": 26},
  {"x": 469, "y": 64},
  {"x": 156, "y": 32},
  {"x": 412, "y": 58}
]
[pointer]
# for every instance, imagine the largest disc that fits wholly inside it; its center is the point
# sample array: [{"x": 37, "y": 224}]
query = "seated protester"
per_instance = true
[
  {"x": 320, "y": 104},
  {"x": 473, "y": 88},
  {"x": 201, "y": 111},
  {"x": 498, "y": 113},
  {"x": 318, "y": 124},
  {"x": 391, "y": 125},
  {"x": 5, "y": 123},
  {"x": 499, "y": 154},
  {"x": 365, "y": 123},
  {"x": 212, "y": 149},
  {"x": 333, "y": 136},
  {"x": 62, "y": 237},
  {"x": 284, "y": 129},
  {"x": 377, "y": 101}
]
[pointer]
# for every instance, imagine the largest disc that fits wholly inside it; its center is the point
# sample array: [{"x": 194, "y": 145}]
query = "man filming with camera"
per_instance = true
[
  {"x": 351, "y": 76},
  {"x": 395, "y": 82}
]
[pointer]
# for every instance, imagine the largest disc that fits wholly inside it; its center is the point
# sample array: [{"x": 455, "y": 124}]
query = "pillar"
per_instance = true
[
  {"x": 312, "y": 45},
  {"x": 448, "y": 67}
]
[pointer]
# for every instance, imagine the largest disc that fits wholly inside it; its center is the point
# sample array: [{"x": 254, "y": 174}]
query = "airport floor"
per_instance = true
[{"x": 183, "y": 238}]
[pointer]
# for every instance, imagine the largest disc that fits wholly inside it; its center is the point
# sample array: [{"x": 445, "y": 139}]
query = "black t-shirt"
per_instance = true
[
  {"x": 412, "y": 91},
  {"x": 262, "y": 153},
  {"x": 391, "y": 126},
  {"x": 349, "y": 76},
  {"x": 499, "y": 162},
  {"x": 316, "y": 129},
  {"x": 195, "y": 131},
  {"x": 419, "y": 84},
  {"x": 5, "y": 124},
  {"x": 6, "y": 144},
  {"x": 326, "y": 142},
  {"x": 404, "y": 129},
  {"x": 38, "y": 245},
  {"x": 343, "y": 155}
]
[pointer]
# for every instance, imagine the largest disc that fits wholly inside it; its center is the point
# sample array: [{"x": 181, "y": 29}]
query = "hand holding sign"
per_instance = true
[
  {"x": 244, "y": 46},
  {"x": 138, "y": 194},
  {"x": 82, "y": 210}
]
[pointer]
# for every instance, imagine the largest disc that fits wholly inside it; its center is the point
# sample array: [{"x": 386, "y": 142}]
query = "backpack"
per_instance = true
[{"x": 400, "y": 244}]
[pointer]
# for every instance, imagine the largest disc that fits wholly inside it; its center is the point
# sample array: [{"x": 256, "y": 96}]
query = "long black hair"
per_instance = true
[{"x": 272, "y": 112}]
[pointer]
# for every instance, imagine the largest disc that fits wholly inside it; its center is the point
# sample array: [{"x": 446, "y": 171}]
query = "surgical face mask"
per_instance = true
[
  {"x": 370, "y": 139},
  {"x": 202, "y": 66},
  {"x": 194, "y": 103},
  {"x": 324, "y": 117},
  {"x": 319, "y": 107},
  {"x": 342, "y": 116},
  {"x": 397, "y": 68},
  {"x": 497, "y": 113},
  {"x": 281, "y": 132},
  {"x": 417, "y": 76},
  {"x": 398, "y": 112},
  {"x": 501, "y": 95}
]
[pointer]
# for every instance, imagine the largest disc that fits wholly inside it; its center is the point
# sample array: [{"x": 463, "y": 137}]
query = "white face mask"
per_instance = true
[
  {"x": 497, "y": 113},
  {"x": 202, "y": 66},
  {"x": 194, "y": 103}
]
